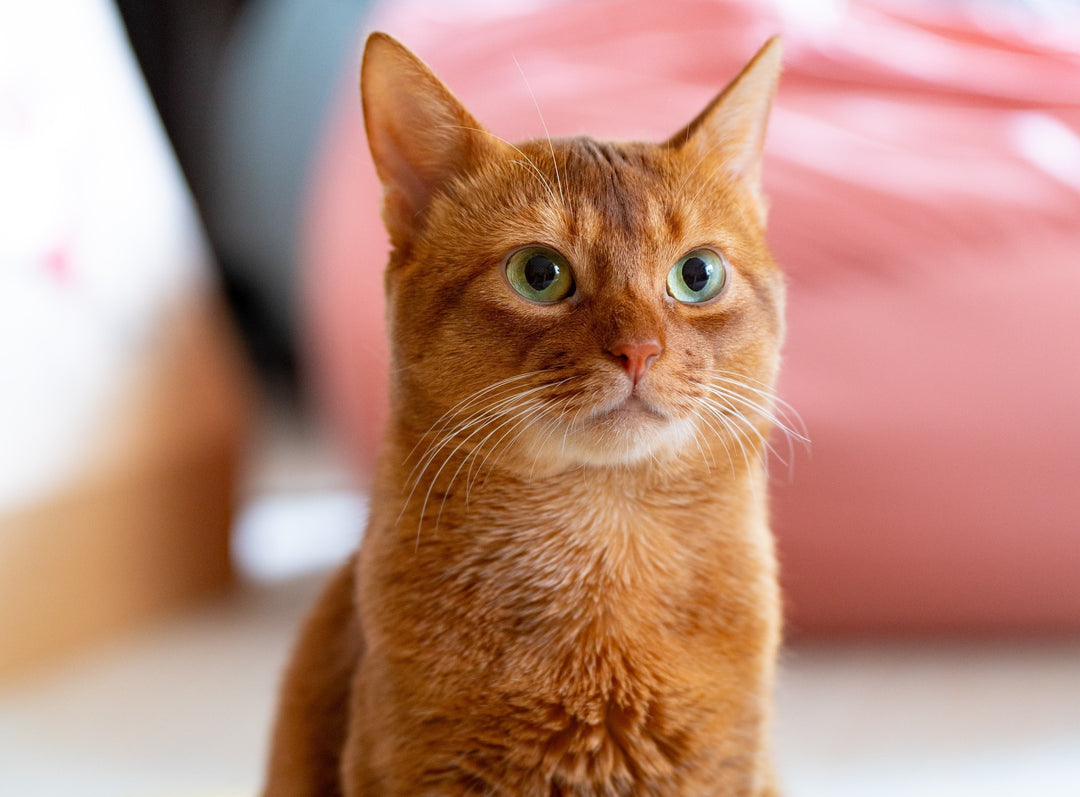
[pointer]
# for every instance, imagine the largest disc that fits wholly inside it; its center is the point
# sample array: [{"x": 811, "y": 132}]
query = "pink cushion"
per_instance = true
[{"x": 925, "y": 184}]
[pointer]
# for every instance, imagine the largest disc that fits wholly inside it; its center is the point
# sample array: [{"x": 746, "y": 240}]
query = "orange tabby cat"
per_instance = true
[{"x": 567, "y": 585}]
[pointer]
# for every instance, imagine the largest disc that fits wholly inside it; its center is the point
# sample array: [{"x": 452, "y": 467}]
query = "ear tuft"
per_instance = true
[
  {"x": 731, "y": 129},
  {"x": 420, "y": 135}
]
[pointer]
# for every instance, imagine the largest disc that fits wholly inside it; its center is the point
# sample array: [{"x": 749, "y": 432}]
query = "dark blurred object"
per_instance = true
[
  {"x": 242, "y": 89},
  {"x": 179, "y": 44}
]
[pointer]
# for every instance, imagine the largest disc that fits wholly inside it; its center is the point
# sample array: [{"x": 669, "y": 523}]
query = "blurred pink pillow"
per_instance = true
[{"x": 924, "y": 173}]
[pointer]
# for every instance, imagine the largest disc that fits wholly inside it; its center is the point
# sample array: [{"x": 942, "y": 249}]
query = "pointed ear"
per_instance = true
[
  {"x": 419, "y": 133},
  {"x": 731, "y": 129}
]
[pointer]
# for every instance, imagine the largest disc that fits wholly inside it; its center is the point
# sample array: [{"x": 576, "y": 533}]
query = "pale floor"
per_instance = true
[{"x": 183, "y": 709}]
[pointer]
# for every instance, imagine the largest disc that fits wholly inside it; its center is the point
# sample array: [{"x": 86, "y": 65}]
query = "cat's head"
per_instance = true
[{"x": 575, "y": 302}]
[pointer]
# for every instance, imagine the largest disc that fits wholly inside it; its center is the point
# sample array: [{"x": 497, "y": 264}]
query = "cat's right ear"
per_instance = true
[
  {"x": 419, "y": 133},
  {"x": 729, "y": 135}
]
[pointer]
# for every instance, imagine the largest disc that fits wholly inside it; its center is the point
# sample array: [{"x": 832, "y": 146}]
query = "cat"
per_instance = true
[{"x": 567, "y": 585}]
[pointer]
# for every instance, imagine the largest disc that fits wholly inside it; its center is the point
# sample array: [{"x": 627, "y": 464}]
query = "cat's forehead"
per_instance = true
[
  {"x": 620, "y": 212},
  {"x": 617, "y": 199},
  {"x": 607, "y": 188}
]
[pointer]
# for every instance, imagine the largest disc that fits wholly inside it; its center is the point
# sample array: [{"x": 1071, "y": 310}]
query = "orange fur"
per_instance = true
[{"x": 567, "y": 585}]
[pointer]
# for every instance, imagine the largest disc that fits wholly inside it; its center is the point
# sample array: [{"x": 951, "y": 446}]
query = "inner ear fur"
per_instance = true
[
  {"x": 420, "y": 134},
  {"x": 730, "y": 131}
]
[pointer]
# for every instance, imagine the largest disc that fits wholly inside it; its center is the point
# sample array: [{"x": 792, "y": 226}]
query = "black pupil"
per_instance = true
[
  {"x": 696, "y": 273},
  {"x": 541, "y": 272}
]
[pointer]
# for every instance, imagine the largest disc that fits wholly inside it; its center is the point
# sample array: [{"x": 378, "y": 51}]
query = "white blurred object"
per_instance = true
[
  {"x": 288, "y": 534},
  {"x": 98, "y": 237},
  {"x": 1050, "y": 145}
]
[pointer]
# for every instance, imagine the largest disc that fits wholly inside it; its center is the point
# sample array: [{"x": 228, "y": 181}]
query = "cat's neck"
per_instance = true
[
  {"x": 600, "y": 504},
  {"x": 653, "y": 542}
]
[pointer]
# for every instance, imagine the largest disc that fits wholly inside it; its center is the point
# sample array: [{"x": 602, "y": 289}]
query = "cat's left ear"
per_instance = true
[
  {"x": 420, "y": 134},
  {"x": 730, "y": 132}
]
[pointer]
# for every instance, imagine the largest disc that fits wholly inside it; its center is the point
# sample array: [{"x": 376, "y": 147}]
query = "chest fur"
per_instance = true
[{"x": 595, "y": 643}]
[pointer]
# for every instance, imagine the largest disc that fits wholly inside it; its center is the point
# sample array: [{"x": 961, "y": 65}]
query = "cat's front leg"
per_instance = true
[
  {"x": 310, "y": 727},
  {"x": 769, "y": 782}
]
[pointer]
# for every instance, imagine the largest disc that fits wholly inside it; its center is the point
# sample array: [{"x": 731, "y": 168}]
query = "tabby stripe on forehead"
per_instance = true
[{"x": 607, "y": 175}]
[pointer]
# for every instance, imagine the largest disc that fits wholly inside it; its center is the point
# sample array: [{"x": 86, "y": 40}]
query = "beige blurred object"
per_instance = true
[{"x": 144, "y": 528}]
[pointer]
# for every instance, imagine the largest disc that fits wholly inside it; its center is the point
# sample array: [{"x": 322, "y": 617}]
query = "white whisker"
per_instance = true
[
  {"x": 534, "y": 407},
  {"x": 726, "y": 399},
  {"x": 513, "y": 430},
  {"x": 526, "y": 162},
  {"x": 527, "y": 410},
  {"x": 709, "y": 182},
  {"x": 734, "y": 396},
  {"x": 784, "y": 411},
  {"x": 552, "y": 426},
  {"x": 443, "y": 420},
  {"x": 434, "y": 480},
  {"x": 740, "y": 421},
  {"x": 479, "y": 416},
  {"x": 717, "y": 434},
  {"x": 551, "y": 147},
  {"x": 495, "y": 412},
  {"x": 729, "y": 423}
]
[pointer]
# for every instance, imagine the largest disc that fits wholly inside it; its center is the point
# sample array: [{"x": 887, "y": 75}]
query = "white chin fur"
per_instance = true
[{"x": 614, "y": 442}]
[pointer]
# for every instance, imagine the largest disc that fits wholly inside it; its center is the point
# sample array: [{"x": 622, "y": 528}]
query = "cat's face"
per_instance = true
[{"x": 575, "y": 302}]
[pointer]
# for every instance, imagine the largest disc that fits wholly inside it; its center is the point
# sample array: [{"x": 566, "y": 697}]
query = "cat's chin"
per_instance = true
[{"x": 625, "y": 434}]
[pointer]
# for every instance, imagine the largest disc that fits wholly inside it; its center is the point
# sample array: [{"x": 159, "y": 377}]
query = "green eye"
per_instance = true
[
  {"x": 697, "y": 277},
  {"x": 540, "y": 274}
]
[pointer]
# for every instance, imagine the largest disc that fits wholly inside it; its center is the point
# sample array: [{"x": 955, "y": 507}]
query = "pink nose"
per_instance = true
[{"x": 636, "y": 356}]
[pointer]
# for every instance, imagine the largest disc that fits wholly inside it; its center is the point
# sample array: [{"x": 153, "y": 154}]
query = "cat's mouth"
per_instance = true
[
  {"x": 632, "y": 412},
  {"x": 625, "y": 429},
  {"x": 634, "y": 406}
]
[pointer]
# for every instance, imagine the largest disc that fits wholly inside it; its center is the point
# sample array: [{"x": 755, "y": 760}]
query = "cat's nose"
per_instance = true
[{"x": 636, "y": 356}]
